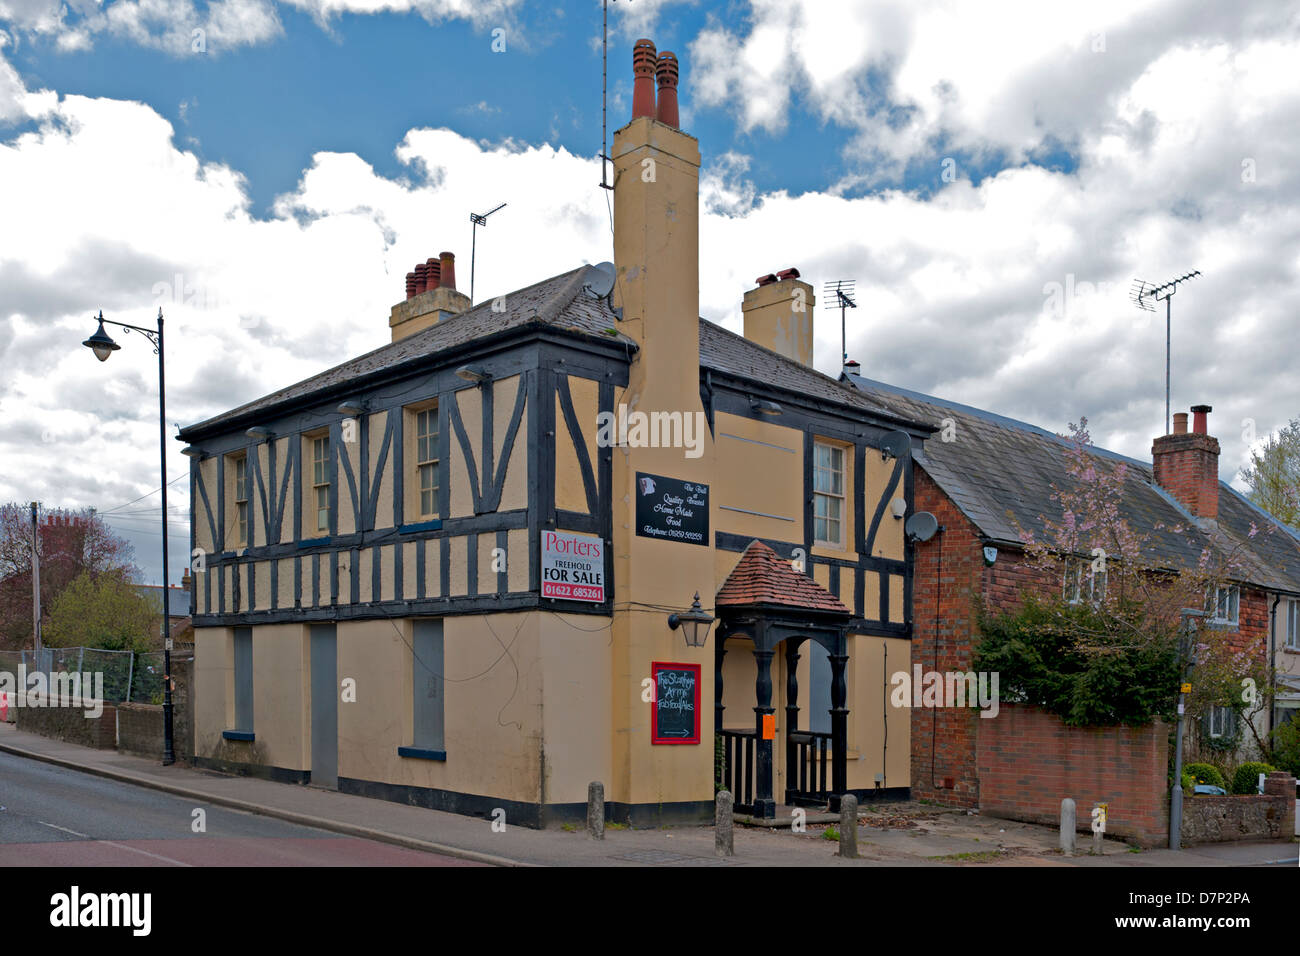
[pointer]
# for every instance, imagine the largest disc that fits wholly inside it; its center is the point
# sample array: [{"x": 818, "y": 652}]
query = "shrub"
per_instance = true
[
  {"x": 1246, "y": 779},
  {"x": 1285, "y": 749},
  {"x": 1206, "y": 773},
  {"x": 1188, "y": 782}
]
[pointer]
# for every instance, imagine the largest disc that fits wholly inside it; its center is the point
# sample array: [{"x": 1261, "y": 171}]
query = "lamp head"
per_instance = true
[{"x": 100, "y": 343}]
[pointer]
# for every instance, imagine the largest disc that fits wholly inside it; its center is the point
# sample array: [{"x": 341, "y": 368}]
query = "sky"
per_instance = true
[{"x": 267, "y": 173}]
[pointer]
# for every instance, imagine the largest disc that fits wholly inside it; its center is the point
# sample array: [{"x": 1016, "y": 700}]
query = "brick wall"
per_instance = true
[
  {"x": 947, "y": 575},
  {"x": 1029, "y": 761},
  {"x": 71, "y": 724}
]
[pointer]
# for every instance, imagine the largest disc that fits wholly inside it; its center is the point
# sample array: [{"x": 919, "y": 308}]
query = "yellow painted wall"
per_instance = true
[
  {"x": 741, "y": 459},
  {"x": 470, "y": 405},
  {"x": 378, "y": 425},
  {"x": 514, "y": 492}
]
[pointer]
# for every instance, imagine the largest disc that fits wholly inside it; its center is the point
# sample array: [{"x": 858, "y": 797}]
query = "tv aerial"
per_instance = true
[
  {"x": 1144, "y": 295},
  {"x": 842, "y": 291}
]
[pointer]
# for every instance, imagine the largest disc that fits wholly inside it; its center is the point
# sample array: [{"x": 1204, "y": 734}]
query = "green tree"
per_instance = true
[
  {"x": 104, "y": 611},
  {"x": 1273, "y": 474}
]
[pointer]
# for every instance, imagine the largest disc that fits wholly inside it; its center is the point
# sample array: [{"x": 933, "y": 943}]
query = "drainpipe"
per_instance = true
[{"x": 1272, "y": 661}]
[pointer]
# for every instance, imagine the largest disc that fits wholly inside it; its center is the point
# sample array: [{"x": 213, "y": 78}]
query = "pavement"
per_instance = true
[{"x": 889, "y": 835}]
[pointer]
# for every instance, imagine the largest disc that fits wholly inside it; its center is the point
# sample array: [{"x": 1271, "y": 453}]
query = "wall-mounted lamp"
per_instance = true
[
  {"x": 694, "y": 623},
  {"x": 258, "y": 433},
  {"x": 189, "y": 451},
  {"x": 764, "y": 407},
  {"x": 898, "y": 508},
  {"x": 352, "y": 407},
  {"x": 472, "y": 373}
]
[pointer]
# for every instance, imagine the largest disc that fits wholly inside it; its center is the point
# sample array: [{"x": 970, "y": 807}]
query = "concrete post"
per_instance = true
[
  {"x": 596, "y": 810},
  {"x": 849, "y": 826},
  {"x": 1099, "y": 828},
  {"x": 1068, "y": 826},
  {"x": 723, "y": 825}
]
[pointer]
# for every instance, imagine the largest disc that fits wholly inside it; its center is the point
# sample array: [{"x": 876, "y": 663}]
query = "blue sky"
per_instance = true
[{"x": 963, "y": 167}]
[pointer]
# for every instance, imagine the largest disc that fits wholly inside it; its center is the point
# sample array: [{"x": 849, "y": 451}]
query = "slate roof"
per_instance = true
[
  {"x": 998, "y": 471},
  {"x": 762, "y": 577},
  {"x": 557, "y": 303}
]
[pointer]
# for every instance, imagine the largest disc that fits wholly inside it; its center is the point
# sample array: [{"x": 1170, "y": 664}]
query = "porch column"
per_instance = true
[
  {"x": 791, "y": 716},
  {"x": 764, "y": 805},
  {"x": 839, "y": 725}
]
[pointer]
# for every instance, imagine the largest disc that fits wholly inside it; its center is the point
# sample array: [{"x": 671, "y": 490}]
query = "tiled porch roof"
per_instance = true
[{"x": 763, "y": 577}]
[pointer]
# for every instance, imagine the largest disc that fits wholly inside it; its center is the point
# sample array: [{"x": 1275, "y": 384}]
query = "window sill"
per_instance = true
[
  {"x": 417, "y": 753},
  {"x": 237, "y": 734}
]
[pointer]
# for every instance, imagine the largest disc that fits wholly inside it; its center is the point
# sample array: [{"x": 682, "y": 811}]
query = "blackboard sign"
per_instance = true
[
  {"x": 675, "y": 710},
  {"x": 672, "y": 510}
]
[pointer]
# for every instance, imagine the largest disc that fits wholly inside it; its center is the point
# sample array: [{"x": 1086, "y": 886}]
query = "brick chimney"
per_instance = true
[
  {"x": 1186, "y": 464},
  {"x": 779, "y": 315},
  {"x": 431, "y": 297}
]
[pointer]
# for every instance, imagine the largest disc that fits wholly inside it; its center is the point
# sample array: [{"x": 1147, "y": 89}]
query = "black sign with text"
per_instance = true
[
  {"x": 675, "y": 718},
  {"x": 672, "y": 510}
]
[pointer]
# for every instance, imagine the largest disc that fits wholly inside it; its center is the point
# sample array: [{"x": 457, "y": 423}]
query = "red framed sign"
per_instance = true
[{"x": 675, "y": 709}]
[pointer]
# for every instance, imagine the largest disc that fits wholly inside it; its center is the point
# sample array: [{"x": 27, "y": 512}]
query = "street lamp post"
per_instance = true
[{"x": 103, "y": 347}]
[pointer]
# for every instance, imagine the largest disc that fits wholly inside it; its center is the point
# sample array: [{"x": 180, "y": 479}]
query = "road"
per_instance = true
[{"x": 51, "y": 816}]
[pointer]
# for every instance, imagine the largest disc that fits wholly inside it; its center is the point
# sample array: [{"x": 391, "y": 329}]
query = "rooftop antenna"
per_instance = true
[
  {"x": 478, "y": 220},
  {"x": 1144, "y": 294},
  {"x": 842, "y": 290}
]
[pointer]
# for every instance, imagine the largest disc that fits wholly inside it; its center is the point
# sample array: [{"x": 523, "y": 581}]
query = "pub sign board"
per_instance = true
[
  {"x": 672, "y": 510},
  {"x": 675, "y": 710},
  {"x": 573, "y": 566}
]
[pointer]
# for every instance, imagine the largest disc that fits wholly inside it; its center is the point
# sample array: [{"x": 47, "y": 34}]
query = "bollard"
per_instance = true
[
  {"x": 849, "y": 826},
  {"x": 1068, "y": 825},
  {"x": 723, "y": 825},
  {"x": 596, "y": 810}
]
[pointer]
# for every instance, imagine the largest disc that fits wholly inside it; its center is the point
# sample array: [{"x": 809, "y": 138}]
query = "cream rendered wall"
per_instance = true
[
  {"x": 493, "y": 706},
  {"x": 514, "y": 492},
  {"x": 208, "y": 478},
  {"x": 470, "y": 405},
  {"x": 214, "y": 687},
  {"x": 577, "y": 720},
  {"x": 741, "y": 460},
  {"x": 284, "y": 466},
  {"x": 281, "y": 694},
  {"x": 378, "y": 425},
  {"x": 347, "y": 517}
]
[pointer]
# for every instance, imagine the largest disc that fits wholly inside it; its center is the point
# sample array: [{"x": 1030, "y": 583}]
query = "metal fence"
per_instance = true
[{"x": 128, "y": 675}]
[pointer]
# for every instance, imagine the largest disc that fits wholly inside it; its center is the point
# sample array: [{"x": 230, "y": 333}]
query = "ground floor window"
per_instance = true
[
  {"x": 427, "y": 686},
  {"x": 244, "y": 679}
]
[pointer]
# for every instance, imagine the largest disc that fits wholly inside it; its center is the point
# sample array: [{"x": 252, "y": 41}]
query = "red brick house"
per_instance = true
[{"x": 982, "y": 474}]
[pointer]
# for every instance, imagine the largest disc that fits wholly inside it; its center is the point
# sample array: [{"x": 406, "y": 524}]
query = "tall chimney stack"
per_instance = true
[
  {"x": 779, "y": 315},
  {"x": 431, "y": 297},
  {"x": 1186, "y": 464}
]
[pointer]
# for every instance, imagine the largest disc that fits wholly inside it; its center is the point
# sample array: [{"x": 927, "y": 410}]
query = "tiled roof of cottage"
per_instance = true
[
  {"x": 761, "y": 576},
  {"x": 560, "y": 304},
  {"x": 999, "y": 471}
]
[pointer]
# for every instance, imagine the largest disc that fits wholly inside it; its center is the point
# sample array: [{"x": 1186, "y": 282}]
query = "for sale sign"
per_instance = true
[{"x": 573, "y": 566}]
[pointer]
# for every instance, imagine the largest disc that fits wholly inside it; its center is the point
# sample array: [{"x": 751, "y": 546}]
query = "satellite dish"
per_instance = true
[
  {"x": 600, "y": 279},
  {"x": 895, "y": 445},
  {"x": 921, "y": 526}
]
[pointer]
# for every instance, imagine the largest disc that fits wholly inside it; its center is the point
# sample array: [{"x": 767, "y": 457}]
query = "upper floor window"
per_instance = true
[
  {"x": 1083, "y": 583},
  {"x": 241, "y": 499},
  {"x": 426, "y": 459},
  {"x": 320, "y": 482},
  {"x": 1293, "y": 625},
  {"x": 828, "y": 494},
  {"x": 1221, "y": 722},
  {"x": 1227, "y": 604}
]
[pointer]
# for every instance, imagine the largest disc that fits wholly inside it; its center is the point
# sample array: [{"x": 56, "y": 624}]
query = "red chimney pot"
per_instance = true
[
  {"x": 447, "y": 274},
  {"x": 1198, "y": 420},
  {"x": 644, "y": 63},
  {"x": 420, "y": 278},
  {"x": 666, "y": 74},
  {"x": 767, "y": 279},
  {"x": 432, "y": 274},
  {"x": 410, "y": 285},
  {"x": 787, "y": 274}
]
